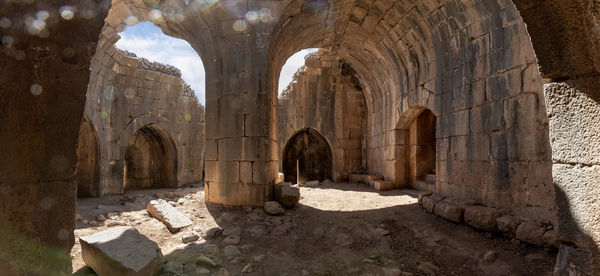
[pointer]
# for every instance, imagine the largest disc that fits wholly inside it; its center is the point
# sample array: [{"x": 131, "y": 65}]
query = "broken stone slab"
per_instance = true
[
  {"x": 273, "y": 208},
  {"x": 450, "y": 210},
  {"x": 121, "y": 251},
  {"x": 530, "y": 232},
  {"x": 290, "y": 196},
  {"x": 277, "y": 189},
  {"x": 482, "y": 217},
  {"x": 167, "y": 214},
  {"x": 382, "y": 185},
  {"x": 429, "y": 202}
]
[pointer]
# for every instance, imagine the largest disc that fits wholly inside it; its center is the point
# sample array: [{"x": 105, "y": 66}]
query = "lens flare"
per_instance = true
[
  {"x": 188, "y": 117},
  {"x": 7, "y": 40},
  {"x": 104, "y": 115}
]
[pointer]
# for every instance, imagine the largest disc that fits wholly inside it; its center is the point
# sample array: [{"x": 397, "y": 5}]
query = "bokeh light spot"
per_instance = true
[
  {"x": 67, "y": 12},
  {"x": 240, "y": 25},
  {"x": 63, "y": 234},
  {"x": 5, "y": 23},
  {"x": 129, "y": 93},
  {"x": 104, "y": 114},
  {"x": 36, "y": 89},
  {"x": 7, "y": 40},
  {"x": 155, "y": 15},
  {"x": 188, "y": 117},
  {"x": 42, "y": 15},
  {"x": 110, "y": 93},
  {"x": 131, "y": 20},
  {"x": 69, "y": 52},
  {"x": 252, "y": 16}
]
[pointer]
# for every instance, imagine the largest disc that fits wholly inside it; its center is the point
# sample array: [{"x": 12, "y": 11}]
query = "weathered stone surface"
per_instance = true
[
  {"x": 531, "y": 233},
  {"x": 422, "y": 195},
  {"x": 507, "y": 224},
  {"x": 450, "y": 210},
  {"x": 482, "y": 217},
  {"x": 277, "y": 189},
  {"x": 121, "y": 251},
  {"x": 273, "y": 208},
  {"x": 290, "y": 196},
  {"x": 313, "y": 183},
  {"x": 167, "y": 214}
]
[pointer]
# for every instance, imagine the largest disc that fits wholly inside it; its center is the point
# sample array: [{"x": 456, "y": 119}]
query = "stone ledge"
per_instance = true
[{"x": 490, "y": 219}]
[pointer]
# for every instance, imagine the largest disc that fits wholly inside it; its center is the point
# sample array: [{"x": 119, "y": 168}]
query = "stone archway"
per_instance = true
[
  {"x": 150, "y": 160},
  {"x": 88, "y": 168},
  {"x": 415, "y": 149},
  {"x": 307, "y": 155}
]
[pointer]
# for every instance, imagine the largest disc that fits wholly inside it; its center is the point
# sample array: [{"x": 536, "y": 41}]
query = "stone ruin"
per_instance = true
[{"x": 492, "y": 102}]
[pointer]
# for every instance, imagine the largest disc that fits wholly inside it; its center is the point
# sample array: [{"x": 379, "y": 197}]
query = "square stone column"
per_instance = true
[{"x": 241, "y": 119}]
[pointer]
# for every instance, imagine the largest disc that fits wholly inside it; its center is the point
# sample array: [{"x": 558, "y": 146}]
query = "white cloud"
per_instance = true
[
  {"x": 291, "y": 66},
  {"x": 165, "y": 49}
]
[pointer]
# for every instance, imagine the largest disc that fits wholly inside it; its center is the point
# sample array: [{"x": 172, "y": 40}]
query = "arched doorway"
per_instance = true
[
  {"x": 307, "y": 155},
  {"x": 150, "y": 160},
  {"x": 88, "y": 170},
  {"x": 416, "y": 149}
]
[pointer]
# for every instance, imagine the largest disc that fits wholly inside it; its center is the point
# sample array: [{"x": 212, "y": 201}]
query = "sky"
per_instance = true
[{"x": 146, "y": 40}]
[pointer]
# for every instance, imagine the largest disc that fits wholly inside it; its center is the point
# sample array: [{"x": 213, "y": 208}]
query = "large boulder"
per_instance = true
[
  {"x": 121, "y": 251},
  {"x": 290, "y": 196},
  {"x": 482, "y": 217},
  {"x": 167, "y": 214}
]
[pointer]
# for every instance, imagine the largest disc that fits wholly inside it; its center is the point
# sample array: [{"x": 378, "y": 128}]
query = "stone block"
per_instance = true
[
  {"x": 429, "y": 202},
  {"x": 167, "y": 214},
  {"x": 277, "y": 189},
  {"x": 530, "y": 232},
  {"x": 290, "y": 196},
  {"x": 121, "y": 251},
  {"x": 482, "y": 217},
  {"x": 382, "y": 185},
  {"x": 422, "y": 195},
  {"x": 450, "y": 210},
  {"x": 507, "y": 224}
]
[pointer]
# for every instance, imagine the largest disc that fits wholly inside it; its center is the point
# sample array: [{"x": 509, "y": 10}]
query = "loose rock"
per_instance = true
[
  {"x": 482, "y": 217},
  {"x": 205, "y": 260},
  {"x": 190, "y": 236}
]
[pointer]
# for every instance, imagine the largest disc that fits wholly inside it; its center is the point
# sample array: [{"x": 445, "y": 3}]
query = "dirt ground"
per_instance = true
[{"x": 338, "y": 229}]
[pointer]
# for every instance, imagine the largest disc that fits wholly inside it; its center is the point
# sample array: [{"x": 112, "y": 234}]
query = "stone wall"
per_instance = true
[
  {"x": 126, "y": 95},
  {"x": 325, "y": 96}
]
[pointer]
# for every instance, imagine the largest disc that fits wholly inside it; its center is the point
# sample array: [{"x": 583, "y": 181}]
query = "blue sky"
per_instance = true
[{"x": 148, "y": 41}]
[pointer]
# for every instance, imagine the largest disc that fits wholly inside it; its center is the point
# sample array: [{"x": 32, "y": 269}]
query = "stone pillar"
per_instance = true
[
  {"x": 44, "y": 72},
  {"x": 573, "y": 108},
  {"x": 241, "y": 120}
]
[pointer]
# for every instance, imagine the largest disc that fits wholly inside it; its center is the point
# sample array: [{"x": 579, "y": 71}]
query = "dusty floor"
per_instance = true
[{"x": 338, "y": 229}]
